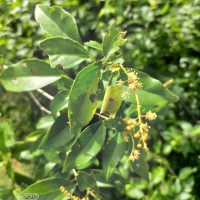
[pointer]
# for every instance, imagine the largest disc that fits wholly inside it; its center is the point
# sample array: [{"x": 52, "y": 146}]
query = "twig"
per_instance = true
[
  {"x": 102, "y": 116},
  {"x": 75, "y": 173},
  {"x": 42, "y": 108},
  {"x": 45, "y": 94},
  {"x": 168, "y": 82}
]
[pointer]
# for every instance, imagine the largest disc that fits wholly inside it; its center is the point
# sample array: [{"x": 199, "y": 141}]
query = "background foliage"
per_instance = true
[{"x": 163, "y": 40}]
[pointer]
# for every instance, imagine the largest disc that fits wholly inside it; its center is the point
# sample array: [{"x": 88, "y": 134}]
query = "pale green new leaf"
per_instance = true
[
  {"x": 112, "y": 100},
  {"x": 64, "y": 51},
  {"x": 57, "y": 22},
  {"x": 112, "y": 42},
  {"x": 82, "y": 104},
  {"x": 28, "y": 75}
]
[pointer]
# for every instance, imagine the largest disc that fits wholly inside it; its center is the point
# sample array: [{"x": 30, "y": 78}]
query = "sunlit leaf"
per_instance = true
[
  {"x": 82, "y": 104},
  {"x": 112, "y": 41},
  {"x": 112, "y": 100},
  {"x": 152, "y": 94},
  {"x": 28, "y": 75},
  {"x": 64, "y": 51},
  {"x": 57, "y": 22}
]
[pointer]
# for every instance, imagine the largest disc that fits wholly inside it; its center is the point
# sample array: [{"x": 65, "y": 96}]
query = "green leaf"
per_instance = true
[
  {"x": 186, "y": 172},
  {"x": 112, "y": 41},
  {"x": 57, "y": 22},
  {"x": 154, "y": 86},
  {"x": 86, "y": 181},
  {"x": 59, "y": 102},
  {"x": 45, "y": 122},
  {"x": 28, "y": 75},
  {"x": 49, "y": 188},
  {"x": 153, "y": 93},
  {"x": 112, "y": 100},
  {"x": 195, "y": 131},
  {"x": 64, "y": 51},
  {"x": 141, "y": 167},
  {"x": 82, "y": 105},
  {"x": 94, "y": 44},
  {"x": 59, "y": 134},
  {"x": 135, "y": 193},
  {"x": 86, "y": 147},
  {"x": 113, "y": 153},
  {"x": 7, "y": 138},
  {"x": 157, "y": 175}
]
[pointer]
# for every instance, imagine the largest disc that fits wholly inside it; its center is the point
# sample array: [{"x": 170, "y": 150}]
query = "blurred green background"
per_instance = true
[{"x": 163, "y": 40}]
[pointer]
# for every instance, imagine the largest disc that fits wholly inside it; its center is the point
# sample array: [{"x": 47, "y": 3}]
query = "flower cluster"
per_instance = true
[
  {"x": 133, "y": 82},
  {"x": 125, "y": 94},
  {"x": 150, "y": 116},
  {"x": 130, "y": 124},
  {"x": 120, "y": 83},
  {"x": 134, "y": 155},
  {"x": 70, "y": 196},
  {"x": 138, "y": 131}
]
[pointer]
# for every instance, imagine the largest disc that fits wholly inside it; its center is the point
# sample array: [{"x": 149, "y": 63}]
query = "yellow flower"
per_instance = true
[
  {"x": 135, "y": 85},
  {"x": 132, "y": 77},
  {"x": 145, "y": 127},
  {"x": 120, "y": 83},
  {"x": 125, "y": 94},
  {"x": 150, "y": 116},
  {"x": 134, "y": 155}
]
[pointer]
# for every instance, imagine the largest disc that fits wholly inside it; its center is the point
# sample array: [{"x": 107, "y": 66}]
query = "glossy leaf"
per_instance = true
[
  {"x": 59, "y": 134},
  {"x": 156, "y": 87},
  {"x": 86, "y": 181},
  {"x": 113, "y": 153},
  {"x": 64, "y": 51},
  {"x": 86, "y": 147},
  {"x": 49, "y": 188},
  {"x": 57, "y": 22},
  {"x": 112, "y": 41},
  {"x": 59, "y": 102},
  {"x": 82, "y": 104},
  {"x": 153, "y": 93},
  {"x": 28, "y": 75}
]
